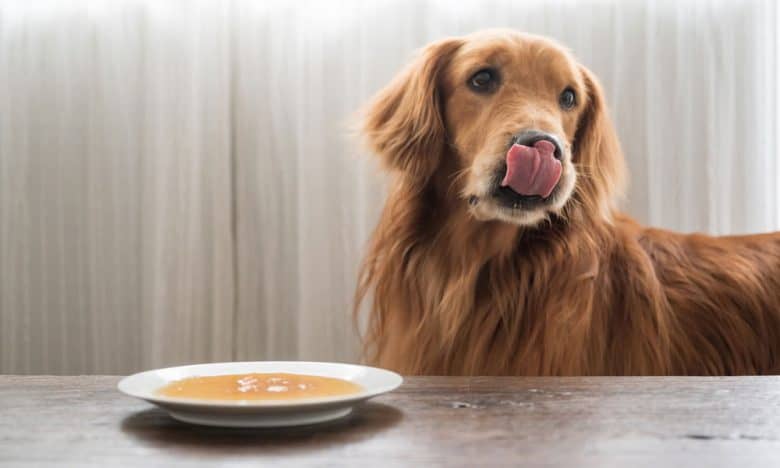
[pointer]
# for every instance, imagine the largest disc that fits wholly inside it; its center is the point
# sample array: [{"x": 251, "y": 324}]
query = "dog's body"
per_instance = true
[{"x": 469, "y": 277}]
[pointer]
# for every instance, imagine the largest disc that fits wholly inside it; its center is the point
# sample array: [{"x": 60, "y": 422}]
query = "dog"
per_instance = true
[{"x": 501, "y": 250}]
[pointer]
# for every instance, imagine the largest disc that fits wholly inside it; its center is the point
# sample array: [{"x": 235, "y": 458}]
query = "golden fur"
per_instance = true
[{"x": 575, "y": 288}]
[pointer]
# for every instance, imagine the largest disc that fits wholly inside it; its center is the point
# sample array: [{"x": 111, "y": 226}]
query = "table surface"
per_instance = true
[{"x": 451, "y": 421}]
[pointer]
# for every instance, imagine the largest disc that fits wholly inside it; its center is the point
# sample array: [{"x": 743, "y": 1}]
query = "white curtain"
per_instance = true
[{"x": 178, "y": 182}]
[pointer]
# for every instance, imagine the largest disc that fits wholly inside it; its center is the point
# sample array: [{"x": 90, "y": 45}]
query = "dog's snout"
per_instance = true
[{"x": 529, "y": 137}]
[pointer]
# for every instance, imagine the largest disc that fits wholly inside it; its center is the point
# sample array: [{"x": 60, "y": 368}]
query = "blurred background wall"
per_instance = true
[{"x": 178, "y": 184}]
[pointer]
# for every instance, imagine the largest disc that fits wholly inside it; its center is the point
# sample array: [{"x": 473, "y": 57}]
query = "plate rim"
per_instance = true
[{"x": 259, "y": 404}]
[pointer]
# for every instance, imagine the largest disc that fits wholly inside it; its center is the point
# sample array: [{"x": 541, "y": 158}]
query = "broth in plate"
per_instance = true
[{"x": 256, "y": 386}]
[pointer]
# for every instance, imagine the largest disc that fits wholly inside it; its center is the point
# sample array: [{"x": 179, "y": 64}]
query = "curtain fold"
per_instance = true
[
  {"x": 115, "y": 186},
  {"x": 179, "y": 181}
]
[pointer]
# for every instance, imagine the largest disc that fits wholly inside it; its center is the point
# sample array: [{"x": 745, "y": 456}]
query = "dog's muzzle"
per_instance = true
[{"x": 531, "y": 170}]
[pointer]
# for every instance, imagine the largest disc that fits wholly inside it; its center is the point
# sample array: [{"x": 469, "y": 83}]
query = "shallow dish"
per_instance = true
[{"x": 254, "y": 413}]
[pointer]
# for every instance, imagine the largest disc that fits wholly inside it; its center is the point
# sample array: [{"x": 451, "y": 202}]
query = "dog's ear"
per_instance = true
[
  {"x": 596, "y": 151},
  {"x": 404, "y": 123}
]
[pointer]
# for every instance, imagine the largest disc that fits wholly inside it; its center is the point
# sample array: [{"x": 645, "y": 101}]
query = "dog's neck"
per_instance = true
[{"x": 467, "y": 241}]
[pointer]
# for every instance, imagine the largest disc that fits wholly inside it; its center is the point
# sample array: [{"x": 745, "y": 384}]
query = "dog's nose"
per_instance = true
[{"x": 529, "y": 137}]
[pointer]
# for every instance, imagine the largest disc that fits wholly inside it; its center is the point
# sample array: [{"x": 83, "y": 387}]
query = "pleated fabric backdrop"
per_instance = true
[{"x": 178, "y": 182}]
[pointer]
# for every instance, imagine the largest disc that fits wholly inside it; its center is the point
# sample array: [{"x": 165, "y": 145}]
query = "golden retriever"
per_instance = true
[{"x": 500, "y": 250}]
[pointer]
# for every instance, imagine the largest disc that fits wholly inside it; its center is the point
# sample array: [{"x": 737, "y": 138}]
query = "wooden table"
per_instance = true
[{"x": 600, "y": 422}]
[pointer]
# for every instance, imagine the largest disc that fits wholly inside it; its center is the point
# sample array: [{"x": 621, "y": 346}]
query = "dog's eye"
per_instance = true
[
  {"x": 484, "y": 81},
  {"x": 567, "y": 99}
]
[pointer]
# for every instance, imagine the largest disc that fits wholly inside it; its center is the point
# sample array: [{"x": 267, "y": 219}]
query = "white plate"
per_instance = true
[{"x": 254, "y": 413}]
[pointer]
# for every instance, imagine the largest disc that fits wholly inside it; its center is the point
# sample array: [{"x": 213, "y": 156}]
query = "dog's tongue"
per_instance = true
[{"x": 532, "y": 170}]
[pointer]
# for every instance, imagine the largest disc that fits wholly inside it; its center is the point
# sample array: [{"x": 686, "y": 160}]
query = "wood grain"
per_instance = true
[{"x": 598, "y": 422}]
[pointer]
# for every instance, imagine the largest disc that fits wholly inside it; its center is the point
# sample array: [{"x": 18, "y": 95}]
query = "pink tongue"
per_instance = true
[{"x": 532, "y": 170}]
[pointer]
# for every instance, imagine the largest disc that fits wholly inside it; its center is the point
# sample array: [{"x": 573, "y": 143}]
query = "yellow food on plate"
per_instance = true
[{"x": 259, "y": 387}]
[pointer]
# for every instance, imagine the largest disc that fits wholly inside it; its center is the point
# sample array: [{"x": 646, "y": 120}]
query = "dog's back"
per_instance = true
[{"x": 723, "y": 295}]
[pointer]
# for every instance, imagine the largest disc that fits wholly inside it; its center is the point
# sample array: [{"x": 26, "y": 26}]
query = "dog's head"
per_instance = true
[{"x": 510, "y": 121}]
